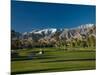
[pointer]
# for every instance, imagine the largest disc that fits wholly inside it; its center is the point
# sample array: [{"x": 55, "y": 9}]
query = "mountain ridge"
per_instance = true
[{"x": 63, "y": 32}]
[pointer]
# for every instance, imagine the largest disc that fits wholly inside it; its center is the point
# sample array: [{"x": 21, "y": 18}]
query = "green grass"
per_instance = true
[{"x": 54, "y": 59}]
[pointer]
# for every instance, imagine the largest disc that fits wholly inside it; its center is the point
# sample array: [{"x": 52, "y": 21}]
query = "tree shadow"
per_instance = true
[
  {"x": 69, "y": 60},
  {"x": 23, "y": 58}
]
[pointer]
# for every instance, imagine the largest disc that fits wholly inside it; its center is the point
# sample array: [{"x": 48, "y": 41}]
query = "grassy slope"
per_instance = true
[{"x": 55, "y": 60}]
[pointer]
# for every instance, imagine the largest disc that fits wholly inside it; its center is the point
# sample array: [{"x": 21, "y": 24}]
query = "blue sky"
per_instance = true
[{"x": 26, "y": 16}]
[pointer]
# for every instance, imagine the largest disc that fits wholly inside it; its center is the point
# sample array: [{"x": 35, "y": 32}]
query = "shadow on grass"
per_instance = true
[
  {"x": 81, "y": 50},
  {"x": 22, "y": 58},
  {"x": 68, "y": 60}
]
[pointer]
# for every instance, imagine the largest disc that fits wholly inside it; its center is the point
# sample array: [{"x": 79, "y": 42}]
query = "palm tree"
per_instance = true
[{"x": 53, "y": 42}]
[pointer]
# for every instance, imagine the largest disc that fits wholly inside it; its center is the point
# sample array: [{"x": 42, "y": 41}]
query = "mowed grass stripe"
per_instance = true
[
  {"x": 58, "y": 60},
  {"x": 68, "y": 65}
]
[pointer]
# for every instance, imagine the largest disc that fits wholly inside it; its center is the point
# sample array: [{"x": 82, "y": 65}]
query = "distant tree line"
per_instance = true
[{"x": 29, "y": 43}]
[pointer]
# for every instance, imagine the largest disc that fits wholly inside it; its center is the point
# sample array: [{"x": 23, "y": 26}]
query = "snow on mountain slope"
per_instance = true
[
  {"x": 46, "y": 31},
  {"x": 64, "y": 33}
]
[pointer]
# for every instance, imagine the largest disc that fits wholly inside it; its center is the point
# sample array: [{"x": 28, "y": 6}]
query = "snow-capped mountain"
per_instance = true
[
  {"x": 46, "y": 31},
  {"x": 40, "y": 33},
  {"x": 77, "y": 32},
  {"x": 85, "y": 26}
]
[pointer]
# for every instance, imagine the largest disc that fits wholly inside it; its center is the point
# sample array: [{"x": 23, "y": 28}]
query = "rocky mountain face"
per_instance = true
[
  {"x": 37, "y": 34},
  {"x": 78, "y": 32},
  {"x": 82, "y": 36}
]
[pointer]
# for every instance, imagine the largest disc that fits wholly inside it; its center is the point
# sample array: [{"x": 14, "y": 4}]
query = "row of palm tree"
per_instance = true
[{"x": 90, "y": 41}]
